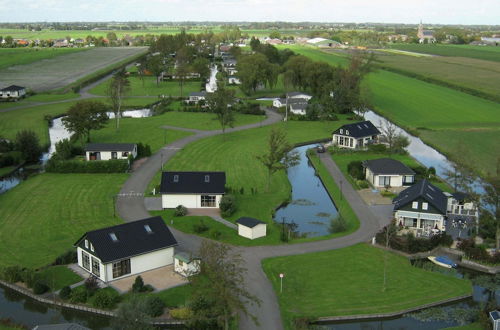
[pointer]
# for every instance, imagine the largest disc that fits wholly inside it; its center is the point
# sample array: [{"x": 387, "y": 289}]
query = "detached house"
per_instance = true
[
  {"x": 12, "y": 92},
  {"x": 196, "y": 97},
  {"x": 387, "y": 172},
  {"x": 127, "y": 249},
  {"x": 107, "y": 151},
  {"x": 192, "y": 189},
  {"x": 298, "y": 95},
  {"x": 356, "y": 135}
]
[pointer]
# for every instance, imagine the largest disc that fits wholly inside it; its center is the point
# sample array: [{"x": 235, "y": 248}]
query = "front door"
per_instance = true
[{"x": 208, "y": 201}]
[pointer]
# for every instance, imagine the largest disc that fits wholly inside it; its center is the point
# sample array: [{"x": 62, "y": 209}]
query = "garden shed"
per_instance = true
[{"x": 251, "y": 228}]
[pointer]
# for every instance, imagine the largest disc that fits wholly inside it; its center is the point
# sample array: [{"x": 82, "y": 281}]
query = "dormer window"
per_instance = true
[
  {"x": 346, "y": 132},
  {"x": 425, "y": 206},
  {"x": 341, "y": 131},
  {"x": 86, "y": 244},
  {"x": 91, "y": 247},
  {"x": 207, "y": 178},
  {"x": 414, "y": 205},
  {"x": 113, "y": 237},
  {"x": 176, "y": 178},
  {"x": 148, "y": 229}
]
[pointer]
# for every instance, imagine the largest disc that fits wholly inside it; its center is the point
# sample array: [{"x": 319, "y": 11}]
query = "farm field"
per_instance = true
[
  {"x": 54, "y": 210},
  {"x": 349, "y": 281},
  {"x": 20, "y": 56},
  {"x": 63, "y": 70},
  {"x": 488, "y": 53}
]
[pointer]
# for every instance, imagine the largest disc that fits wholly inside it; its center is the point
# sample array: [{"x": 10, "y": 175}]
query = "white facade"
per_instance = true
[
  {"x": 107, "y": 155},
  {"x": 392, "y": 180},
  {"x": 196, "y": 98},
  {"x": 186, "y": 268},
  {"x": 234, "y": 80},
  {"x": 424, "y": 221},
  {"x": 13, "y": 94},
  {"x": 298, "y": 109},
  {"x": 344, "y": 141},
  {"x": 300, "y": 96},
  {"x": 191, "y": 201},
  {"x": 278, "y": 103},
  {"x": 138, "y": 264},
  {"x": 252, "y": 233}
]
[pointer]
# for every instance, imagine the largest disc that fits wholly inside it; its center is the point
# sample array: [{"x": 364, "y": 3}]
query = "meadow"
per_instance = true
[
  {"x": 349, "y": 281},
  {"x": 488, "y": 53},
  {"x": 20, "y": 56}
]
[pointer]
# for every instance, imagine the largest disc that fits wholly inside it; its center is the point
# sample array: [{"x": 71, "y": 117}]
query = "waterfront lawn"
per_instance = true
[
  {"x": 471, "y": 326},
  {"x": 175, "y": 297},
  {"x": 42, "y": 217},
  {"x": 58, "y": 277},
  {"x": 349, "y": 281}
]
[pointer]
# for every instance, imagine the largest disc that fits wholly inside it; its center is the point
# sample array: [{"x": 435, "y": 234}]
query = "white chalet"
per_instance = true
[
  {"x": 356, "y": 136},
  {"x": 388, "y": 172},
  {"x": 107, "y": 151},
  {"x": 12, "y": 92},
  {"x": 196, "y": 97},
  {"x": 186, "y": 264}
]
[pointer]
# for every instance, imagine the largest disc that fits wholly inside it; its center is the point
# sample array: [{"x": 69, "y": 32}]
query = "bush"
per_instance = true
[
  {"x": 138, "y": 285},
  {"x": 29, "y": 277},
  {"x": 11, "y": 158},
  {"x": 411, "y": 244},
  {"x": 154, "y": 306},
  {"x": 40, "y": 287},
  {"x": 182, "y": 313},
  {"x": 362, "y": 184},
  {"x": 377, "y": 148},
  {"x": 12, "y": 274},
  {"x": 216, "y": 234},
  {"x": 200, "y": 227},
  {"x": 143, "y": 150},
  {"x": 64, "y": 150},
  {"x": 227, "y": 205},
  {"x": 338, "y": 224},
  {"x": 68, "y": 257},
  {"x": 105, "y": 299},
  {"x": 180, "y": 211},
  {"x": 94, "y": 166},
  {"x": 65, "y": 293},
  {"x": 91, "y": 285},
  {"x": 355, "y": 169},
  {"x": 28, "y": 144},
  {"x": 78, "y": 295}
]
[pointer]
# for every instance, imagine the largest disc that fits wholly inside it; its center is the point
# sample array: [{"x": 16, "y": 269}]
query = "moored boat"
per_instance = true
[{"x": 443, "y": 261}]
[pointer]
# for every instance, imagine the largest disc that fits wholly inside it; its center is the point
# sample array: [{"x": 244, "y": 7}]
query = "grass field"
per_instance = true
[
  {"x": 20, "y": 56},
  {"x": 53, "y": 211},
  {"x": 58, "y": 277},
  {"x": 175, "y": 297},
  {"x": 349, "y": 281},
  {"x": 479, "y": 52}
]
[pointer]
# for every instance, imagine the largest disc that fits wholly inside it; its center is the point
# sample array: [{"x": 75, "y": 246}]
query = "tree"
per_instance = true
[
  {"x": 118, "y": 87},
  {"x": 219, "y": 103},
  {"x": 28, "y": 144},
  {"x": 132, "y": 314},
  {"x": 254, "y": 71},
  {"x": 491, "y": 198},
  {"x": 254, "y": 44},
  {"x": 396, "y": 141},
  {"x": 275, "y": 35},
  {"x": 218, "y": 289},
  {"x": 85, "y": 116},
  {"x": 155, "y": 65},
  {"x": 64, "y": 150},
  {"x": 201, "y": 66},
  {"x": 279, "y": 155},
  {"x": 458, "y": 174},
  {"x": 182, "y": 66}
]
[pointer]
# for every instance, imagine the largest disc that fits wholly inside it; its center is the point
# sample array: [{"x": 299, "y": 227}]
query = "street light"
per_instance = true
[{"x": 281, "y": 282}]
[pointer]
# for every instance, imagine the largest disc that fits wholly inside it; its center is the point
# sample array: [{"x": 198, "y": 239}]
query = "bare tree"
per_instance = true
[
  {"x": 118, "y": 87},
  {"x": 389, "y": 131}
]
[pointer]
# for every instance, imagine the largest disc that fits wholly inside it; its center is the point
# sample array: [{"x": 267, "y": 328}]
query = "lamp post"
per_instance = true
[{"x": 281, "y": 282}]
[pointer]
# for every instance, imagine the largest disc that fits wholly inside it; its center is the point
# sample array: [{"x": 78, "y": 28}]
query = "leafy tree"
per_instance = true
[
  {"x": 64, "y": 149},
  {"x": 279, "y": 155},
  {"x": 118, "y": 87},
  {"x": 218, "y": 289},
  {"x": 132, "y": 314},
  {"x": 85, "y": 116},
  {"x": 296, "y": 73},
  {"x": 111, "y": 36},
  {"x": 491, "y": 198},
  {"x": 201, "y": 66},
  {"x": 155, "y": 65},
  {"x": 254, "y": 43},
  {"x": 219, "y": 103},
  {"x": 275, "y": 35},
  {"x": 28, "y": 144},
  {"x": 254, "y": 71}
]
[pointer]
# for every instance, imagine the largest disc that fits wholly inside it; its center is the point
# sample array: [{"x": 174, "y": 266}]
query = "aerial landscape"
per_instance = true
[{"x": 250, "y": 165}]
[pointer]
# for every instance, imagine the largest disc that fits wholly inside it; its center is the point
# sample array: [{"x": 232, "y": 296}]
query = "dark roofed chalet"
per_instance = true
[
  {"x": 387, "y": 166},
  {"x": 358, "y": 130},
  {"x": 193, "y": 183},
  {"x": 249, "y": 222},
  {"x": 422, "y": 190},
  {"x": 129, "y": 239},
  {"x": 12, "y": 88},
  {"x": 110, "y": 147}
]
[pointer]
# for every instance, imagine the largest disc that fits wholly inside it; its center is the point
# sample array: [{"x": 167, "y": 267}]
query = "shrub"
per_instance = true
[
  {"x": 363, "y": 184},
  {"x": 68, "y": 257},
  {"x": 154, "y": 306},
  {"x": 215, "y": 234},
  {"x": 355, "y": 169},
  {"x": 227, "y": 205},
  {"x": 377, "y": 148},
  {"x": 95, "y": 166},
  {"x": 105, "y": 299},
  {"x": 11, "y": 158},
  {"x": 12, "y": 274},
  {"x": 64, "y": 150},
  {"x": 200, "y": 227},
  {"x": 78, "y": 295},
  {"x": 148, "y": 288},
  {"x": 91, "y": 285},
  {"x": 338, "y": 224},
  {"x": 182, "y": 313},
  {"x": 27, "y": 142},
  {"x": 138, "y": 285},
  {"x": 143, "y": 150},
  {"x": 180, "y": 211},
  {"x": 40, "y": 287},
  {"x": 65, "y": 293},
  {"x": 29, "y": 277}
]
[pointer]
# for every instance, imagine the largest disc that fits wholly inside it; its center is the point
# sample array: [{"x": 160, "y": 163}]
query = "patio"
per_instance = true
[{"x": 160, "y": 279}]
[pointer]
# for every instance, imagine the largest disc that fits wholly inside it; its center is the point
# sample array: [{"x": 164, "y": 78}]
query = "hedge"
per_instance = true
[{"x": 95, "y": 166}]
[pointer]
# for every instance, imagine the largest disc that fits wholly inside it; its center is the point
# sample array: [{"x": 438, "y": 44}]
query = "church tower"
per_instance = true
[{"x": 420, "y": 31}]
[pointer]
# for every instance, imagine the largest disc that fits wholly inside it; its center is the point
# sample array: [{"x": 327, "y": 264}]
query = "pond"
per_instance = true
[{"x": 311, "y": 207}]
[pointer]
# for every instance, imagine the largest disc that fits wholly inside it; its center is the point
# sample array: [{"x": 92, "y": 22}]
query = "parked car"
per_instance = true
[{"x": 320, "y": 148}]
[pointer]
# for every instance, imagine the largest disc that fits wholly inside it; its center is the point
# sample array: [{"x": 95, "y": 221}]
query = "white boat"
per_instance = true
[{"x": 442, "y": 261}]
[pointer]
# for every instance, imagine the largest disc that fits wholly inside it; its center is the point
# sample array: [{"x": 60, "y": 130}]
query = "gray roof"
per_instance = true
[
  {"x": 292, "y": 94},
  {"x": 387, "y": 166},
  {"x": 193, "y": 183},
  {"x": 203, "y": 93},
  {"x": 186, "y": 257},
  {"x": 249, "y": 222},
  {"x": 12, "y": 88},
  {"x": 359, "y": 129},
  {"x": 422, "y": 189},
  {"x": 110, "y": 147}
]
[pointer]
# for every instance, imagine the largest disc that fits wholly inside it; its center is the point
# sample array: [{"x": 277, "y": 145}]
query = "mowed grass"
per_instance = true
[
  {"x": 58, "y": 277},
  {"x": 42, "y": 217},
  {"x": 150, "y": 88},
  {"x": 19, "y": 56},
  {"x": 479, "y": 52},
  {"x": 349, "y": 281}
]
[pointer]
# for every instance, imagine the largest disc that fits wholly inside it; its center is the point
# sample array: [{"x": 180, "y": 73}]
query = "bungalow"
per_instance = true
[
  {"x": 127, "y": 249},
  {"x": 186, "y": 264},
  {"x": 196, "y": 97},
  {"x": 231, "y": 71},
  {"x": 298, "y": 95},
  {"x": 12, "y": 92},
  {"x": 279, "y": 103},
  {"x": 356, "y": 135},
  {"x": 387, "y": 172},
  {"x": 192, "y": 189},
  {"x": 229, "y": 63},
  {"x": 251, "y": 228},
  {"x": 234, "y": 80},
  {"x": 421, "y": 207},
  {"x": 298, "y": 106},
  {"x": 107, "y": 151}
]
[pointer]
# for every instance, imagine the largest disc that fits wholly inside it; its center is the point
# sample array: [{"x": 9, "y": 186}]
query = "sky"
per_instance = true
[{"x": 359, "y": 11}]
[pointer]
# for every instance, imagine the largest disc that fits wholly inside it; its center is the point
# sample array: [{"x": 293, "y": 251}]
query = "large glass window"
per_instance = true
[
  {"x": 408, "y": 179},
  {"x": 208, "y": 201},
  {"x": 96, "y": 267},
  {"x": 121, "y": 268},
  {"x": 384, "y": 181},
  {"x": 85, "y": 261}
]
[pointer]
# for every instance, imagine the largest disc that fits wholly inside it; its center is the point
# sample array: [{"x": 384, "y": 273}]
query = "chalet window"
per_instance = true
[
  {"x": 125, "y": 154},
  {"x": 96, "y": 268},
  {"x": 408, "y": 179},
  {"x": 409, "y": 222},
  {"x": 86, "y": 244},
  {"x": 85, "y": 261},
  {"x": 208, "y": 201},
  {"x": 351, "y": 143},
  {"x": 384, "y": 181},
  {"x": 176, "y": 178},
  {"x": 121, "y": 268},
  {"x": 114, "y": 155},
  {"x": 341, "y": 131},
  {"x": 207, "y": 178},
  {"x": 91, "y": 247},
  {"x": 346, "y": 132},
  {"x": 341, "y": 141},
  {"x": 414, "y": 205},
  {"x": 425, "y": 206}
]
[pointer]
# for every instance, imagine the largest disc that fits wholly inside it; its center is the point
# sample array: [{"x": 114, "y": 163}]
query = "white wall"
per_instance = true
[
  {"x": 187, "y": 269},
  {"x": 102, "y": 272},
  {"x": 396, "y": 180},
  {"x": 170, "y": 201},
  {"x": 277, "y": 103},
  {"x": 301, "y": 96},
  {"x": 252, "y": 233},
  {"x": 6, "y": 95},
  {"x": 297, "y": 111},
  {"x": 106, "y": 155}
]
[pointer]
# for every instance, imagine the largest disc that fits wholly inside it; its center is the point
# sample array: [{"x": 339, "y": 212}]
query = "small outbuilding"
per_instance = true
[
  {"x": 13, "y": 92},
  {"x": 196, "y": 97},
  {"x": 186, "y": 264},
  {"x": 251, "y": 228},
  {"x": 495, "y": 319},
  {"x": 388, "y": 172},
  {"x": 107, "y": 151}
]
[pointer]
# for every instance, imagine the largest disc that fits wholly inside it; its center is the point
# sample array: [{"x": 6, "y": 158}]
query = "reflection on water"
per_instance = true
[
  {"x": 211, "y": 85},
  {"x": 311, "y": 207}
]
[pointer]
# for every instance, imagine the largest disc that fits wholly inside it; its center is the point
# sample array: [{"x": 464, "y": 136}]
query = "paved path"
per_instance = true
[{"x": 268, "y": 313}]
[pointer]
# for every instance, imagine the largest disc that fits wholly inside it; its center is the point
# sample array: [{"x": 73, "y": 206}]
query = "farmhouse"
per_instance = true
[
  {"x": 186, "y": 264},
  {"x": 356, "y": 135},
  {"x": 107, "y": 151},
  {"x": 12, "y": 92},
  {"x": 251, "y": 228},
  {"x": 422, "y": 208},
  {"x": 127, "y": 249},
  {"x": 196, "y": 97},
  {"x": 192, "y": 189},
  {"x": 387, "y": 172}
]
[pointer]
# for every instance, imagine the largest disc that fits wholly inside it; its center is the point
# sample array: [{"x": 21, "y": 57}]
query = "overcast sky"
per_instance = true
[{"x": 386, "y": 11}]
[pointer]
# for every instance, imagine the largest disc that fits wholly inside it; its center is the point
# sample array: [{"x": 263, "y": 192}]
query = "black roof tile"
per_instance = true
[
  {"x": 432, "y": 194},
  {"x": 357, "y": 130},
  {"x": 193, "y": 183},
  {"x": 110, "y": 147},
  {"x": 249, "y": 222},
  {"x": 387, "y": 166}
]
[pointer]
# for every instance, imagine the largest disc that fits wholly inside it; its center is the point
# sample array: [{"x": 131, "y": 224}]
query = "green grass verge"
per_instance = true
[
  {"x": 53, "y": 211},
  {"x": 472, "y": 326},
  {"x": 175, "y": 297},
  {"x": 349, "y": 281},
  {"x": 479, "y": 52},
  {"x": 20, "y": 56},
  {"x": 57, "y": 277},
  {"x": 6, "y": 170}
]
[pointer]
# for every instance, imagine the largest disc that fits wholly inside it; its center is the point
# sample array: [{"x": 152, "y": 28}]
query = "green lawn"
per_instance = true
[
  {"x": 276, "y": 91},
  {"x": 479, "y": 52},
  {"x": 472, "y": 326},
  {"x": 6, "y": 170},
  {"x": 58, "y": 277},
  {"x": 349, "y": 281},
  {"x": 20, "y": 56},
  {"x": 49, "y": 212},
  {"x": 175, "y": 297}
]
